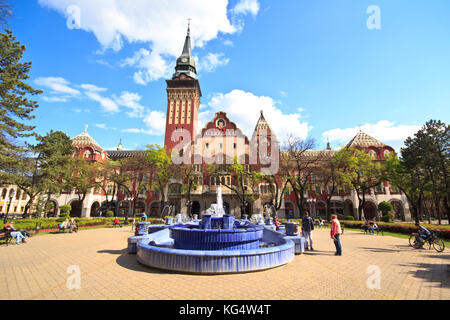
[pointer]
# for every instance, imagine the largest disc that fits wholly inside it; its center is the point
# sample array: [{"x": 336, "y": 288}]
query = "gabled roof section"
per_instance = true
[
  {"x": 262, "y": 124},
  {"x": 363, "y": 140}
]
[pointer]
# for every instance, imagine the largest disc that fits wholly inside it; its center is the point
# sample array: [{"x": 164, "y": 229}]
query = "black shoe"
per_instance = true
[{"x": 312, "y": 249}]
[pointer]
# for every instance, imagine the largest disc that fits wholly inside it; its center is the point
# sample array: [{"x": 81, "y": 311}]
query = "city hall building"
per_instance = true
[{"x": 219, "y": 142}]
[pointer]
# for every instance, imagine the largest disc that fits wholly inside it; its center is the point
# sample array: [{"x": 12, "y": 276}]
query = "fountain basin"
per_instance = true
[
  {"x": 156, "y": 251},
  {"x": 216, "y": 239}
]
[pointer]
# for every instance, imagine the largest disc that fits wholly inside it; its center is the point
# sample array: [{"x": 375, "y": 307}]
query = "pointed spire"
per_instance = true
[
  {"x": 328, "y": 145},
  {"x": 186, "y": 63},
  {"x": 187, "y": 43}
]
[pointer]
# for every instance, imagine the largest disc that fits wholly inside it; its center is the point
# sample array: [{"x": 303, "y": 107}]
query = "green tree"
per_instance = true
[
  {"x": 43, "y": 169},
  {"x": 158, "y": 159},
  {"x": 82, "y": 177},
  {"x": 432, "y": 145},
  {"x": 407, "y": 176},
  {"x": 15, "y": 103},
  {"x": 298, "y": 164},
  {"x": 360, "y": 171},
  {"x": 385, "y": 207},
  {"x": 54, "y": 155},
  {"x": 189, "y": 178}
]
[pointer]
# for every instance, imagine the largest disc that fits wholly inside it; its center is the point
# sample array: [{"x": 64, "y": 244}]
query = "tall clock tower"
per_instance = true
[{"x": 183, "y": 97}]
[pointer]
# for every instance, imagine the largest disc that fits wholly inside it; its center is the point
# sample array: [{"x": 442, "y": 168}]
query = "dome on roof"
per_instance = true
[
  {"x": 363, "y": 140},
  {"x": 85, "y": 140}
]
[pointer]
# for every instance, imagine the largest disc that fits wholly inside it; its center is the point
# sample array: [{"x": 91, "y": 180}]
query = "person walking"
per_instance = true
[
  {"x": 335, "y": 233},
  {"x": 307, "y": 228}
]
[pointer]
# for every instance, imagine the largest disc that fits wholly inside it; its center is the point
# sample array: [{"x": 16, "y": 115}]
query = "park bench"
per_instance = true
[
  {"x": 6, "y": 236},
  {"x": 63, "y": 226}
]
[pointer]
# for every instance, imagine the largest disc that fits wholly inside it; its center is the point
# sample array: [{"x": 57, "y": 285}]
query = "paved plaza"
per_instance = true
[{"x": 38, "y": 270}]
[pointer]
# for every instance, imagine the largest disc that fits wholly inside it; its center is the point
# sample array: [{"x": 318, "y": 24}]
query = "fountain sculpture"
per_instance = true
[{"x": 216, "y": 244}]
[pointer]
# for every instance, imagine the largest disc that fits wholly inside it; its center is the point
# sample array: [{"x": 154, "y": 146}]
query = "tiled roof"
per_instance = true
[
  {"x": 363, "y": 140},
  {"x": 85, "y": 140},
  {"x": 121, "y": 154}
]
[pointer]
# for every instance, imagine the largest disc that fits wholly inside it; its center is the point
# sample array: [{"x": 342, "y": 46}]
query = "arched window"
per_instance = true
[
  {"x": 87, "y": 154},
  {"x": 373, "y": 154},
  {"x": 4, "y": 193}
]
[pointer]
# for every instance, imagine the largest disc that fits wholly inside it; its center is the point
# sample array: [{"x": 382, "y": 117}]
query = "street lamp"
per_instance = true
[
  {"x": 312, "y": 202},
  {"x": 188, "y": 205},
  {"x": 11, "y": 196}
]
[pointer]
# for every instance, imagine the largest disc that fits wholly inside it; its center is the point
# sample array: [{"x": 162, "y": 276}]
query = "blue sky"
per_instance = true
[{"x": 314, "y": 67}]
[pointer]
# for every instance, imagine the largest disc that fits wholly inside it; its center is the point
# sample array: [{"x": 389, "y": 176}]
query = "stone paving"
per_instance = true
[{"x": 38, "y": 270}]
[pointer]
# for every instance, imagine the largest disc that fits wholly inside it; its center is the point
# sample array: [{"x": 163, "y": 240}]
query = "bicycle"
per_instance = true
[{"x": 418, "y": 242}]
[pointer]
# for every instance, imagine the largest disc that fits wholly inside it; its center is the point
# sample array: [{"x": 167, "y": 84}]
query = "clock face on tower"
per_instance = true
[{"x": 184, "y": 60}]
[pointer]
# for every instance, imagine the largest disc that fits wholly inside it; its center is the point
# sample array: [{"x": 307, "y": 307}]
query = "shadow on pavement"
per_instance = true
[
  {"x": 122, "y": 251},
  {"x": 433, "y": 273},
  {"x": 380, "y": 250},
  {"x": 128, "y": 261}
]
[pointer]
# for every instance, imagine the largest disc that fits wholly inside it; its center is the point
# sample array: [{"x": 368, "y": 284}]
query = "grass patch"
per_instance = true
[{"x": 399, "y": 235}]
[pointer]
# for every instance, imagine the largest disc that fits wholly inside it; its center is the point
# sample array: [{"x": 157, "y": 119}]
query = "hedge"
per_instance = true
[{"x": 52, "y": 223}]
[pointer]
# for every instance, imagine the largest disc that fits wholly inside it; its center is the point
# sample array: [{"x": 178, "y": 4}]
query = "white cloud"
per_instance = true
[
  {"x": 228, "y": 43},
  {"x": 387, "y": 132},
  {"x": 243, "y": 108},
  {"x": 77, "y": 110},
  {"x": 93, "y": 88},
  {"x": 92, "y": 92},
  {"x": 159, "y": 24},
  {"x": 131, "y": 101},
  {"x": 156, "y": 122},
  {"x": 104, "y": 126},
  {"x": 152, "y": 66},
  {"x": 54, "y": 99},
  {"x": 211, "y": 62},
  {"x": 247, "y": 6},
  {"x": 61, "y": 91}
]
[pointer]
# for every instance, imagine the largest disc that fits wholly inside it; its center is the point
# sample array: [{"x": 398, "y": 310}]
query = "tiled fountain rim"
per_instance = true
[
  {"x": 219, "y": 253},
  {"x": 242, "y": 229}
]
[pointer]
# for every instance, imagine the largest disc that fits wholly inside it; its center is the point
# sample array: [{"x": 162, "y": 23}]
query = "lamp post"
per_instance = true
[
  {"x": 312, "y": 203},
  {"x": 188, "y": 205},
  {"x": 11, "y": 196}
]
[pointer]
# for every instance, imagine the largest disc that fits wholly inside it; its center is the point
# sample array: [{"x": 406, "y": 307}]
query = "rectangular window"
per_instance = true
[
  {"x": 318, "y": 190},
  {"x": 379, "y": 188}
]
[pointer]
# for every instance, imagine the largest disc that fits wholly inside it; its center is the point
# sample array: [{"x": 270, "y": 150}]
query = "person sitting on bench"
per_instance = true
[
  {"x": 63, "y": 226},
  {"x": 18, "y": 235},
  {"x": 73, "y": 226}
]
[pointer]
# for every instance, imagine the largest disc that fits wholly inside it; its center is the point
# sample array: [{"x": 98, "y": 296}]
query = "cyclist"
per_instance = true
[{"x": 423, "y": 234}]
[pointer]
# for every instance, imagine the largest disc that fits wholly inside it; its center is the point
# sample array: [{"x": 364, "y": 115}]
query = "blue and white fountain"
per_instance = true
[{"x": 216, "y": 244}]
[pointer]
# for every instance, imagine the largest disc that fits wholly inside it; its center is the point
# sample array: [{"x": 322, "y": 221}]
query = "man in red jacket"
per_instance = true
[{"x": 335, "y": 233}]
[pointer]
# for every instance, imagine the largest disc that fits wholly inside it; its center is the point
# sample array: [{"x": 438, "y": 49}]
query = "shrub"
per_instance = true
[
  {"x": 65, "y": 210},
  {"x": 385, "y": 207},
  {"x": 349, "y": 218},
  {"x": 109, "y": 214},
  {"x": 388, "y": 217}
]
